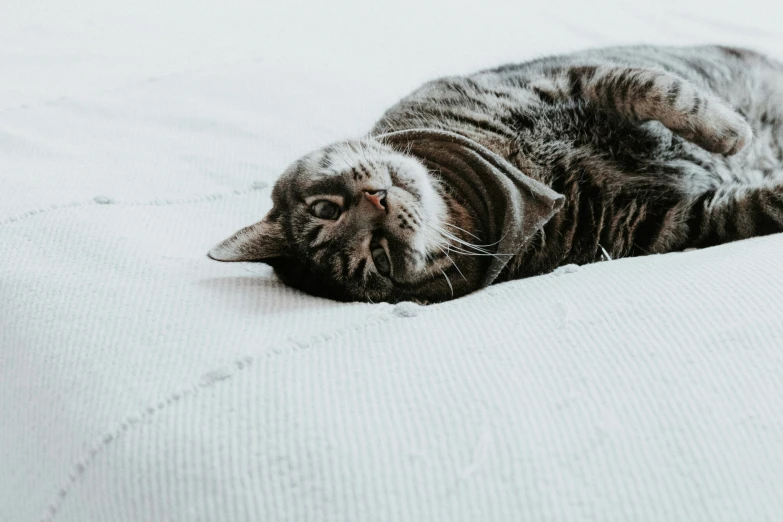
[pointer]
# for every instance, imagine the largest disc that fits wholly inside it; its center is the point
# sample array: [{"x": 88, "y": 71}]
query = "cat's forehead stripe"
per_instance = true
[{"x": 334, "y": 186}]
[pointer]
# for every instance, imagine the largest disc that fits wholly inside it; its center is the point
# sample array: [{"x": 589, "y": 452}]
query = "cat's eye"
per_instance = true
[
  {"x": 381, "y": 260},
  {"x": 325, "y": 209}
]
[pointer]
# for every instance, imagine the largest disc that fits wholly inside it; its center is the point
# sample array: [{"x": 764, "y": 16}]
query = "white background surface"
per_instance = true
[{"x": 140, "y": 381}]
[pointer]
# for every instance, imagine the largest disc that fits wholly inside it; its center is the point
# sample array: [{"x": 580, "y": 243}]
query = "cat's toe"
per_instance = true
[
  {"x": 730, "y": 133},
  {"x": 738, "y": 138}
]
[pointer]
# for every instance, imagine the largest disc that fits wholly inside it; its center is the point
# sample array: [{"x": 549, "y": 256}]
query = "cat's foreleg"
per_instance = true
[{"x": 650, "y": 94}]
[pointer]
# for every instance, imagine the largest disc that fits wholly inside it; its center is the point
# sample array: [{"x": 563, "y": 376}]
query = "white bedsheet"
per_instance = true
[{"x": 140, "y": 381}]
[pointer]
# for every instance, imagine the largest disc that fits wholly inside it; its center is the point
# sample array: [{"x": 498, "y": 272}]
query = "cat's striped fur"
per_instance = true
[{"x": 655, "y": 150}]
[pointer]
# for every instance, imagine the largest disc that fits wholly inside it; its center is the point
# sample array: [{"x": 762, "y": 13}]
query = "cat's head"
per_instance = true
[{"x": 361, "y": 221}]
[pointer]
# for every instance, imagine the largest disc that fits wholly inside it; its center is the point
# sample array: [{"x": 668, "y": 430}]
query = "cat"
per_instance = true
[{"x": 514, "y": 171}]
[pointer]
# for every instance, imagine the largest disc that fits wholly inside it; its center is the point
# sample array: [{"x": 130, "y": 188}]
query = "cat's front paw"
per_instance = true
[{"x": 721, "y": 130}]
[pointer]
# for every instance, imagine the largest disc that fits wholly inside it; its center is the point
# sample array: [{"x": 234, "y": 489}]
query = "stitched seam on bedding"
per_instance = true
[
  {"x": 207, "y": 380},
  {"x": 236, "y": 368},
  {"x": 100, "y": 201}
]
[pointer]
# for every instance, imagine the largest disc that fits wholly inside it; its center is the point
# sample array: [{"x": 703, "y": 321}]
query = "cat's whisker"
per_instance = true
[
  {"x": 442, "y": 238},
  {"x": 462, "y": 229},
  {"x": 448, "y": 281},
  {"x": 466, "y": 244},
  {"x": 445, "y": 252},
  {"x": 462, "y": 251},
  {"x": 479, "y": 254},
  {"x": 457, "y": 239},
  {"x": 448, "y": 235}
]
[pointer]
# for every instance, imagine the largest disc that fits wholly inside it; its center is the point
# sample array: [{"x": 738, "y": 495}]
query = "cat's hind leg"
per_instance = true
[{"x": 736, "y": 211}]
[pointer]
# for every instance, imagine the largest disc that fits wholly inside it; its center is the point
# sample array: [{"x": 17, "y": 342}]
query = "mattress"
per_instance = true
[{"x": 141, "y": 381}]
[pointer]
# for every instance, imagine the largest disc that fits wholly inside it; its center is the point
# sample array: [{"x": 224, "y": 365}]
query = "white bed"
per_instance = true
[{"x": 140, "y": 381}]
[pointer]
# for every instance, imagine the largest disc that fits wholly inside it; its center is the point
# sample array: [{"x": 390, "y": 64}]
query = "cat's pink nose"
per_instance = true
[{"x": 377, "y": 198}]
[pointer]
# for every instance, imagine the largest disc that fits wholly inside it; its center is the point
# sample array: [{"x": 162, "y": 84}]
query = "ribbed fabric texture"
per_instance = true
[{"x": 140, "y": 381}]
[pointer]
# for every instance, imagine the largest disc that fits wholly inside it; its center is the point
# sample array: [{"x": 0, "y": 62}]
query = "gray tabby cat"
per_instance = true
[{"x": 514, "y": 171}]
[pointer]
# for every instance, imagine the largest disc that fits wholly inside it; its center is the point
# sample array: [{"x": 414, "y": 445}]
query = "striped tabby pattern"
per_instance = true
[{"x": 654, "y": 149}]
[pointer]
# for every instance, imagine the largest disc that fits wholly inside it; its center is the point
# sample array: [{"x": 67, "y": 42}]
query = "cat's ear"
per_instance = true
[{"x": 259, "y": 242}]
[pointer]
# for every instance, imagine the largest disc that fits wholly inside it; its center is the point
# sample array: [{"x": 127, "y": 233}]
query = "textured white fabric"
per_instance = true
[{"x": 140, "y": 381}]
